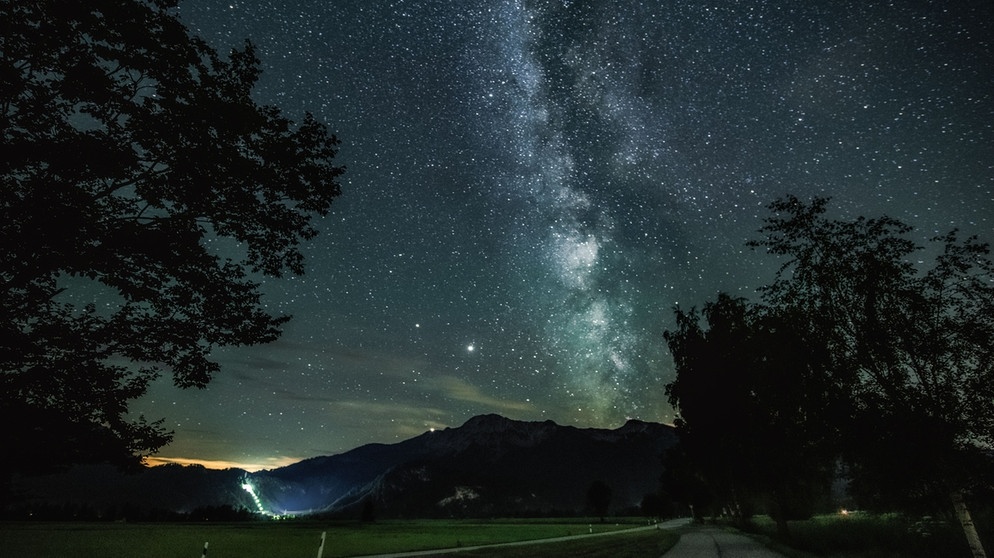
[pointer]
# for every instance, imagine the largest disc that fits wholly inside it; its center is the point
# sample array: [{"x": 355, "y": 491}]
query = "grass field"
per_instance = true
[
  {"x": 300, "y": 539},
  {"x": 640, "y": 544},
  {"x": 869, "y": 536}
]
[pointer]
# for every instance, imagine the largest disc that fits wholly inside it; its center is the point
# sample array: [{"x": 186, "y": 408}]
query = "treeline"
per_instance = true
[
  {"x": 125, "y": 512},
  {"x": 867, "y": 361}
]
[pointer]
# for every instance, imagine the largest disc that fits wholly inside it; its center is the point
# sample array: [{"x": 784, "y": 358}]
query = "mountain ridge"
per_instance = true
[{"x": 490, "y": 465}]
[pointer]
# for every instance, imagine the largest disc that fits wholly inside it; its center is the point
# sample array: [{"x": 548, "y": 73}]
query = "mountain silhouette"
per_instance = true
[{"x": 489, "y": 466}]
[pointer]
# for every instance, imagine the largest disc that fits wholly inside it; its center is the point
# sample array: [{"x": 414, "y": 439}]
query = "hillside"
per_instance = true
[{"x": 491, "y": 465}]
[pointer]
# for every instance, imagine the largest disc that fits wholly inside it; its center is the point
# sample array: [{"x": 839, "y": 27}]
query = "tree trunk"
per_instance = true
[
  {"x": 969, "y": 529},
  {"x": 779, "y": 514},
  {"x": 783, "y": 531}
]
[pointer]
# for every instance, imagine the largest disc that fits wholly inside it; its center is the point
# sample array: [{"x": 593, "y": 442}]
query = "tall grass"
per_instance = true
[{"x": 868, "y": 536}]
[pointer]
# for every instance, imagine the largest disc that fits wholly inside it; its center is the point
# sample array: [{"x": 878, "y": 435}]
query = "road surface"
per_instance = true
[{"x": 711, "y": 542}]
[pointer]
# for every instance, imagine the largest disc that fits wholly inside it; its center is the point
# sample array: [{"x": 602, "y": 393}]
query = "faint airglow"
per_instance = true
[{"x": 268, "y": 463}]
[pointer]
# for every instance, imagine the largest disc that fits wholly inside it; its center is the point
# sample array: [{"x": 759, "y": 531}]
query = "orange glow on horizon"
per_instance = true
[{"x": 270, "y": 463}]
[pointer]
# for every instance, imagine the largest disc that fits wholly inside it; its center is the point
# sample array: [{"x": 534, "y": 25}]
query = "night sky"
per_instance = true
[{"x": 533, "y": 185}]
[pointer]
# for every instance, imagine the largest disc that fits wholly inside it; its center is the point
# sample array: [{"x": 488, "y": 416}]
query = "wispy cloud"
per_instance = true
[
  {"x": 386, "y": 421},
  {"x": 388, "y": 409},
  {"x": 461, "y": 390}
]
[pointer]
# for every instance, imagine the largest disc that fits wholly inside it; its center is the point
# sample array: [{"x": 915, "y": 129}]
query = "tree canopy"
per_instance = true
[
  {"x": 132, "y": 149},
  {"x": 754, "y": 409},
  {"x": 599, "y": 498},
  {"x": 909, "y": 341},
  {"x": 866, "y": 349}
]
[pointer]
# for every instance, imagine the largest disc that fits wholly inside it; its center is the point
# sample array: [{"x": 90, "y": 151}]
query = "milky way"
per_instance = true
[
  {"x": 533, "y": 186},
  {"x": 553, "y": 223}
]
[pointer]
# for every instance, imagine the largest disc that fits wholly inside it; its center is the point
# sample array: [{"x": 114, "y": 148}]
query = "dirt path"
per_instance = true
[{"x": 709, "y": 542}]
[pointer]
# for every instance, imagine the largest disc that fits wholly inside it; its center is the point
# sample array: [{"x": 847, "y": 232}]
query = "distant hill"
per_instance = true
[{"x": 490, "y": 466}]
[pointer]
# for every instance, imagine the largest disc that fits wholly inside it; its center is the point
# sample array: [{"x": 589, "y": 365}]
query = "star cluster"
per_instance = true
[{"x": 533, "y": 185}]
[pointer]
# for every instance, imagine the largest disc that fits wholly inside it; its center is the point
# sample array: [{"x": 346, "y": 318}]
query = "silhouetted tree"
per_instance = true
[
  {"x": 654, "y": 505},
  {"x": 599, "y": 498},
  {"x": 683, "y": 483},
  {"x": 368, "y": 513},
  {"x": 910, "y": 342},
  {"x": 224, "y": 512},
  {"x": 753, "y": 409},
  {"x": 142, "y": 192}
]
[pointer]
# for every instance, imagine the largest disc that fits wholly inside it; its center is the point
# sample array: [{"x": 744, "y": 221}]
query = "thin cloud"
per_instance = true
[{"x": 461, "y": 390}]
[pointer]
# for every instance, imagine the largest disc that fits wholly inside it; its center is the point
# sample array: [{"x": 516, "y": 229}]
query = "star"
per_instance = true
[{"x": 583, "y": 170}]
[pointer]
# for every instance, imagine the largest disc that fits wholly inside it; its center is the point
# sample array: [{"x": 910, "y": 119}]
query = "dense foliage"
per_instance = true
[
  {"x": 755, "y": 409},
  {"x": 861, "y": 353},
  {"x": 141, "y": 189},
  {"x": 909, "y": 342}
]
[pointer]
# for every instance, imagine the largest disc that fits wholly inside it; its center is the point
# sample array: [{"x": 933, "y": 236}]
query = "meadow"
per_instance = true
[
  {"x": 300, "y": 539},
  {"x": 862, "y": 535}
]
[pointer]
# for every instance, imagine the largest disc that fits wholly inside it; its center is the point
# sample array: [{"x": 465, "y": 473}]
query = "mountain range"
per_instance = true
[{"x": 490, "y": 466}]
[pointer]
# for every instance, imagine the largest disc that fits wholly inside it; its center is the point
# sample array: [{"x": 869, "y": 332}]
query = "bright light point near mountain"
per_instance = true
[{"x": 255, "y": 498}]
